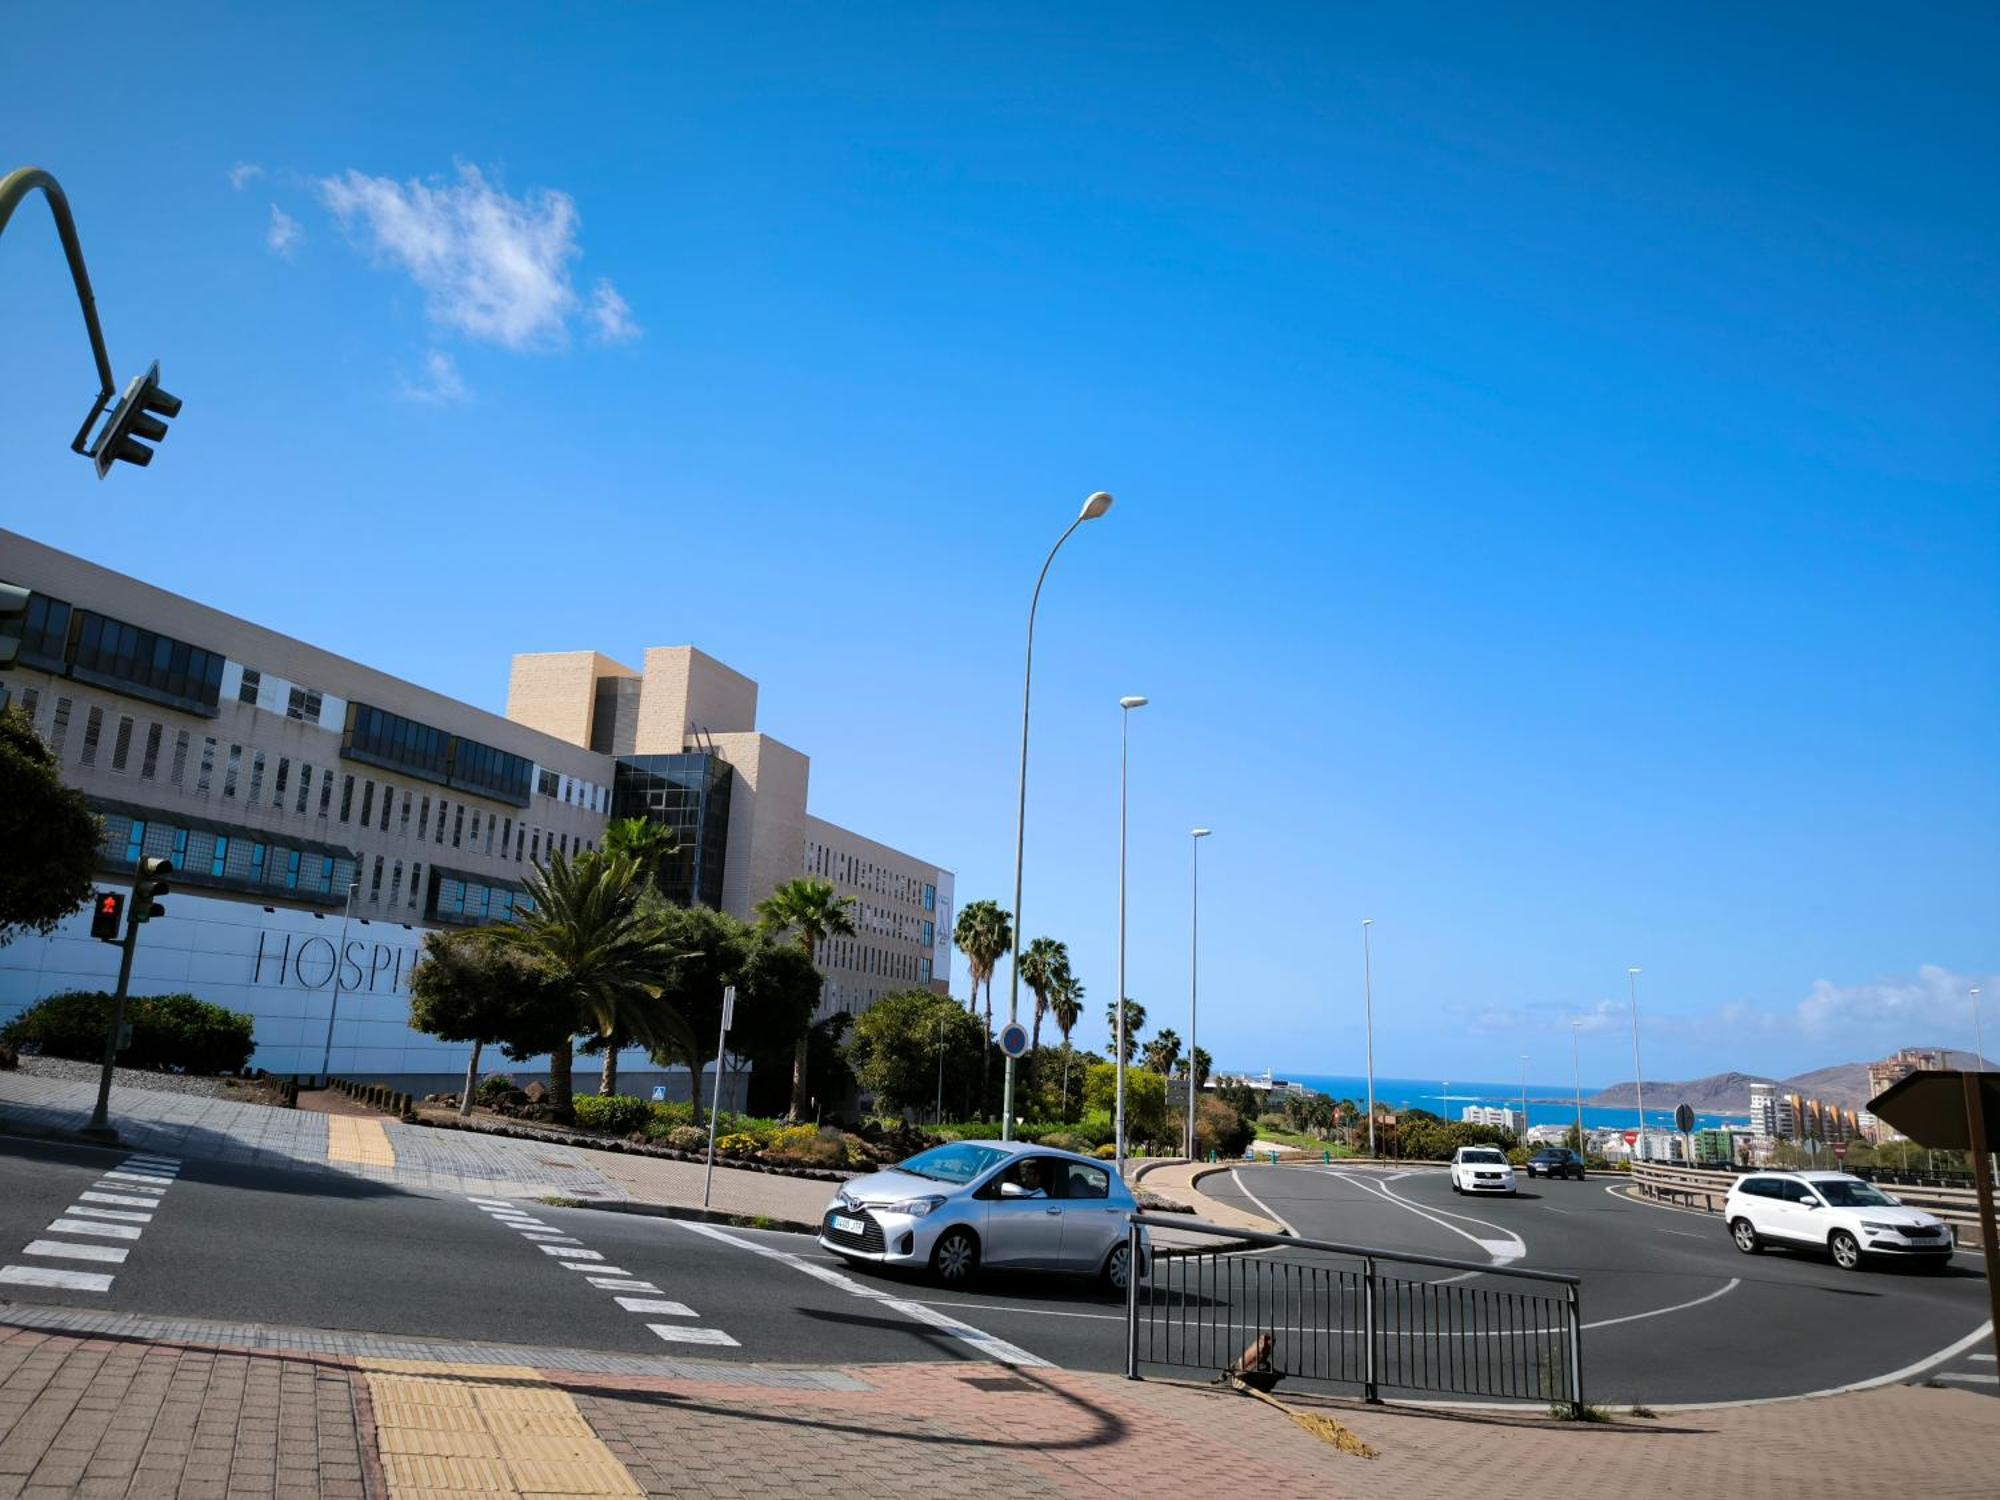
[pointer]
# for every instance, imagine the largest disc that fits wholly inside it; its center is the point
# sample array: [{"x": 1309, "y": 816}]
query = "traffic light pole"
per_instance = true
[
  {"x": 16, "y": 186},
  {"x": 99, "y": 1128}
]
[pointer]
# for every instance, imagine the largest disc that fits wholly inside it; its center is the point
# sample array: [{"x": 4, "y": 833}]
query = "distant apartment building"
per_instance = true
[
  {"x": 1488, "y": 1114},
  {"x": 1907, "y": 1060},
  {"x": 322, "y": 816}
]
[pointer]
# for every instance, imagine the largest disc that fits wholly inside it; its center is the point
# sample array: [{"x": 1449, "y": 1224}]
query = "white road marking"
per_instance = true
[
  {"x": 1969, "y": 1378},
  {"x": 1987, "y": 1357},
  {"x": 69, "y": 1281},
  {"x": 1040, "y": 1312},
  {"x": 552, "y": 1239},
  {"x": 146, "y": 1179},
  {"x": 491, "y": 1202},
  {"x": 1237, "y": 1177},
  {"x": 124, "y": 1198},
  {"x": 1686, "y": 1234},
  {"x": 1660, "y": 1312},
  {"x": 658, "y": 1306},
  {"x": 123, "y": 1214},
  {"x": 584, "y": 1265},
  {"x": 91, "y": 1226},
  {"x": 564, "y": 1253},
  {"x": 674, "y": 1334},
  {"x": 1502, "y": 1251},
  {"x": 995, "y": 1349},
  {"x": 621, "y": 1283},
  {"x": 63, "y": 1250}
]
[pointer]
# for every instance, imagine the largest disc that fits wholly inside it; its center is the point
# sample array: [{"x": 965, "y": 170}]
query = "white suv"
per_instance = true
[
  {"x": 1831, "y": 1211},
  {"x": 1481, "y": 1169}
]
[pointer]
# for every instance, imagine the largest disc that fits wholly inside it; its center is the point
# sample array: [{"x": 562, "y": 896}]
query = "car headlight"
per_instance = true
[
  {"x": 916, "y": 1208},
  {"x": 1876, "y": 1224}
]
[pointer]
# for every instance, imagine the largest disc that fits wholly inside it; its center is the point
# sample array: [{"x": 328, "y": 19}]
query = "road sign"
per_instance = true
[
  {"x": 1840, "y": 1149},
  {"x": 1683, "y": 1118},
  {"x": 1014, "y": 1039},
  {"x": 1631, "y": 1137}
]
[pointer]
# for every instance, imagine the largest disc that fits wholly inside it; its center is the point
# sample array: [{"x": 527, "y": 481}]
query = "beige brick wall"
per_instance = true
[
  {"x": 684, "y": 688},
  {"x": 556, "y": 691},
  {"x": 767, "y": 818}
]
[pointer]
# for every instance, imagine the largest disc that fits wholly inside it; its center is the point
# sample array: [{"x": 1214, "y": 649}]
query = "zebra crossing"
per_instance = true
[
  {"x": 98, "y": 1230},
  {"x": 631, "y": 1293}
]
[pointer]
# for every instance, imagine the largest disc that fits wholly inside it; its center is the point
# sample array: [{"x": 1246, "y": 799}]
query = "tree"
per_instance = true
[
  {"x": 812, "y": 909},
  {"x": 1163, "y": 1053},
  {"x": 900, "y": 1042},
  {"x": 1043, "y": 963},
  {"x": 1066, "y": 1006},
  {"x": 1203, "y": 1065},
  {"x": 653, "y": 845},
  {"x": 606, "y": 958},
  {"x": 1145, "y": 1099},
  {"x": 1135, "y": 1022},
  {"x": 467, "y": 988},
  {"x": 48, "y": 833},
  {"x": 984, "y": 933}
]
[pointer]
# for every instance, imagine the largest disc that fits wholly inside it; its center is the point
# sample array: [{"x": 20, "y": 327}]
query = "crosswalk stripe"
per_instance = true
[
  {"x": 563, "y": 1252},
  {"x": 91, "y": 1226},
  {"x": 63, "y": 1250},
  {"x": 70, "y": 1281},
  {"x": 124, "y": 1215},
  {"x": 123, "y": 1198},
  {"x": 621, "y": 1283},
  {"x": 677, "y": 1335},
  {"x": 655, "y": 1305},
  {"x": 1969, "y": 1378},
  {"x": 602, "y": 1270},
  {"x": 139, "y": 1179}
]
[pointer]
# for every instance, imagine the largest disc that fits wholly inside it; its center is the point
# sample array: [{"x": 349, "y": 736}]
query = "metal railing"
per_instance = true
[{"x": 1335, "y": 1317}]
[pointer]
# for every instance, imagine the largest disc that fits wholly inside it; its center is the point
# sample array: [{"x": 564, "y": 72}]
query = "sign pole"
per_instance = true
[
  {"x": 100, "y": 1127},
  {"x": 1982, "y": 1176},
  {"x": 715, "y": 1099}
]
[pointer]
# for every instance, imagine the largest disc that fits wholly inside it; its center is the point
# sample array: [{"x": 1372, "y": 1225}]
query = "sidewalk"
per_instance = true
[{"x": 241, "y": 1415}]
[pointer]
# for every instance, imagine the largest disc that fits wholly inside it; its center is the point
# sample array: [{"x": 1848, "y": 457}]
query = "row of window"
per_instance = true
[
  {"x": 830, "y": 863},
  {"x": 81, "y": 643},
  {"x": 203, "y": 857},
  {"x": 866, "y": 958}
]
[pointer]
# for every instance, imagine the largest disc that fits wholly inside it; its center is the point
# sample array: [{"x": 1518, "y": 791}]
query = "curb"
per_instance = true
[{"x": 697, "y": 1215}]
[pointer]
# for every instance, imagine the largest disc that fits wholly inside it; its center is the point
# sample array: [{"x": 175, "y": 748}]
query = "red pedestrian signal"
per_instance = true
[{"x": 104, "y": 918}]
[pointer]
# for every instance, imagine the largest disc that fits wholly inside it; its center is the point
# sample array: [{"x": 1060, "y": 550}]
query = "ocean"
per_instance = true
[{"x": 1547, "y": 1105}]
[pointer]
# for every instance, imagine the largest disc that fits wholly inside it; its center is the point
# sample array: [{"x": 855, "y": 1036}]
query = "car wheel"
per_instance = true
[
  {"x": 1454, "y": 1184},
  {"x": 1117, "y": 1273},
  {"x": 1846, "y": 1250},
  {"x": 1746, "y": 1237},
  {"x": 955, "y": 1257}
]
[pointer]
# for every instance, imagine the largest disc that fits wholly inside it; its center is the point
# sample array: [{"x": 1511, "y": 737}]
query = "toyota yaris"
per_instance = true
[{"x": 1004, "y": 1204}]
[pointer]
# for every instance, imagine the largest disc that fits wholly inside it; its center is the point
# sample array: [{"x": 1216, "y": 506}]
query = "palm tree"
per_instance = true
[
  {"x": 1042, "y": 961},
  {"x": 1066, "y": 1006},
  {"x": 651, "y": 844},
  {"x": 606, "y": 958},
  {"x": 816, "y": 912},
  {"x": 1163, "y": 1052},
  {"x": 1135, "y": 1022},
  {"x": 984, "y": 933}
]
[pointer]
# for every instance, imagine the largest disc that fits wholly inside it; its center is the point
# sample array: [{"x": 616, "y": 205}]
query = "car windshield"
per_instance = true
[
  {"x": 961, "y": 1161},
  {"x": 1846, "y": 1193},
  {"x": 1484, "y": 1157}
]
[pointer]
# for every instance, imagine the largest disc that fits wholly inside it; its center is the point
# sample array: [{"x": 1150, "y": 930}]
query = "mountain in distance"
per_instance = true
[{"x": 1844, "y": 1084}]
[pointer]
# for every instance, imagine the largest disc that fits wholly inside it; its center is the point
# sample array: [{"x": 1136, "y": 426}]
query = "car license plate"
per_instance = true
[{"x": 849, "y": 1226}]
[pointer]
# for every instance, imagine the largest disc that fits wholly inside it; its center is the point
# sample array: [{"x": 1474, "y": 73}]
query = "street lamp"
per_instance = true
[
  {"x": 1638, "y": 1077},
  {"x": 1978, "y": 1039},
  {"x": 940, "y": 1097},
  {"x": 326, "y": 1058},
  {"x": 1524, "y": 1095},
  {"x": 1368, "y": 1006},
  {"x": 1093, "y": 507},
  {"x": 1195, "y": 836},
  {"x": 1576, "y": 1067},
  {"x": 1126, "y": 705}
]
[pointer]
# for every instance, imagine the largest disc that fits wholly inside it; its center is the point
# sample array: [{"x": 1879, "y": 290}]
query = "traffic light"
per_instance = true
[
  {"x": 149, "y": 886},
  {"x": 13, "y": 605},
  {"x": 104, "y": 916},
  {"x": 137, "y": 415}
]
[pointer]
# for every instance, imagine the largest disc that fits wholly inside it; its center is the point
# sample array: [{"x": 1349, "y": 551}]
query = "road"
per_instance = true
[{"x": 1673, "y": 1313}]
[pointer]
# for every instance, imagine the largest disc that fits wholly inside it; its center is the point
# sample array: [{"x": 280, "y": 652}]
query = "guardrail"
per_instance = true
[
  {"x": 1328, "y": 1314},
  {"x": 1706, "y": 1188}
]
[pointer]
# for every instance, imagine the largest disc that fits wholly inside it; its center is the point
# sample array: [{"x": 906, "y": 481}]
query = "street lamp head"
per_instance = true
[
  {"x": 1633, "y": 971},
  {"x": 1202, "y": 833},
  {"x": 1095, "y": 506},
  {"x": 1367, "y": 921},
  {"x": 1132, "y": 702}
]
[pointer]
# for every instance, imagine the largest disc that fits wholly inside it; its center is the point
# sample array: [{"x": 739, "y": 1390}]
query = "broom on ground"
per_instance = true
[{"x": 1253, "y": 1376}]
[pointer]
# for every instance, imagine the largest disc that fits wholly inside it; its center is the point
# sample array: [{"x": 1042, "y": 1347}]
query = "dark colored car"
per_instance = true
[{"x": 1556, "y": 1161}]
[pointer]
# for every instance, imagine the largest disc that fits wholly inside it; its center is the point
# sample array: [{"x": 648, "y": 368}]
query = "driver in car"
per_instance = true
[{"x": 1027, "y": 1175}]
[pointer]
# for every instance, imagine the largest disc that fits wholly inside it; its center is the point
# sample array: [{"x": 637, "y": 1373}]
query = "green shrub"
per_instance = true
[
  {"x": 496, "y": 1083},
  {"x": 169, "y": 1032},
  {"x": 1106, "y": 1152},
  {"x": 687, "y": 1138},
  {"x": 1067, "y": 1140},
  {"x": 736, "y": 1143},
  {"x": 666, "y": 1116},
  {"x": 618, "y": 1114}
]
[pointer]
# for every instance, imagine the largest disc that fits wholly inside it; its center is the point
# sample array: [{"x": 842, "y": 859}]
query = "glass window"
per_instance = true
[
  {"x": 93, "y": 727},
  {"x": 1853, "y": 1193},
  {"x": 367, "y": 804},
  {"x": 257, "y": 777},
  {"x": 252, "y": 679},
  {"x": 326, "y": 790},
  {"x": 59, "y": 730},
  {"x": 220, "y": 858},
  {"x": 206, "y": 777},
  {"x": 121, "y": 743},
  {"x": 149, "y": 761},
  {"x": 375, "y": 883},
  {"x": 181, "y": 743},
  {"x": 1080, "y": 1181},
  {"x": 304, "y": 705},
  {"x": 960, "y": 1162},
  {"x": 346, "y": 798},
  {"x": 230, "y": 771},
  {"x": 416, "y": 883},
  {"x": 135, "y": 842},
  {"x": 457, "y": 824},
  {"x": 292, "y": 870},
  {"x": 305, "y": 788},
  {"x": 403, "y": 824},
  {"x": 278, "y": 787},
  {"x": 257, "y": 852}
]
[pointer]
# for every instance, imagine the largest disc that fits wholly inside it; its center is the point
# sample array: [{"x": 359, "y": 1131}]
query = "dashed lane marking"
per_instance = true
[{"x": 996, "y": 1349}]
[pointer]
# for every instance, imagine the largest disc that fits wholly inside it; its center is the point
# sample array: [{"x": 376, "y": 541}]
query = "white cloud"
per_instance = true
[
  {"x": 284, "y": 235},
  {"x": 440, "y": 383},
  {"x": 1930, "y": 1008},
  {"x": 611, "y": 314},
  {"x": 243, "y": 174},
  {"x": 492, "y": 266}
]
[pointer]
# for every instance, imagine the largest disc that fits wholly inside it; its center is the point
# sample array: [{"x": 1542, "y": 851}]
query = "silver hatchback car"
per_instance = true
[{"x": 968, "y": 1204}]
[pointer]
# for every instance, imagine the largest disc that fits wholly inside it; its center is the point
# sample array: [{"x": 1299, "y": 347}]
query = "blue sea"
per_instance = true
[{"x": 1547, "y": 1104}]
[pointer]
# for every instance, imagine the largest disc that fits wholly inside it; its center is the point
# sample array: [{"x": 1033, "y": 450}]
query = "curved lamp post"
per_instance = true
[{"x": 1093, "y": 507}]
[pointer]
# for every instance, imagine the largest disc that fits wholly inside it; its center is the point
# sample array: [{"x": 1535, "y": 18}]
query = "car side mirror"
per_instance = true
[
  {"x": 1807, "y": 1203},
  {"x": 1012, "y": 1190}
]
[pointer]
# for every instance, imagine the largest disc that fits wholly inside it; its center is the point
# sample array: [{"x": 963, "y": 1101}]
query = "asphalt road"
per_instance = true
[{"x": 1672, "y": 1311}]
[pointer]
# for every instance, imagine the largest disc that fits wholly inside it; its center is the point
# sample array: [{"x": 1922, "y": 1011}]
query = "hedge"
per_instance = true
[{"x": 170, "y": 1033}]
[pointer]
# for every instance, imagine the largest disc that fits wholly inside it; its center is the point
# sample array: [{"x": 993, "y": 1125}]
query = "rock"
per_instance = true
[
  {"x": 8, "y": 1059},
  {"x": 536, "y": 1093}
]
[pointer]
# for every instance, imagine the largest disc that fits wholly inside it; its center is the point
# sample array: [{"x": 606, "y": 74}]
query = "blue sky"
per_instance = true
[{"x": 1555, "y": 451}]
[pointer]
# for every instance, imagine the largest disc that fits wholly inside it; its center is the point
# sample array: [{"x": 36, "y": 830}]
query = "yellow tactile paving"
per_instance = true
[
  {"x": 453, "y": 1432},
  {"x": 363, "y": 1142}
]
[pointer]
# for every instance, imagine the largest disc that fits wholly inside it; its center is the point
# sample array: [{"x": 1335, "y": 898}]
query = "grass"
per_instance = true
[
  {"x": 1303, "y": 1142},
  {"x": 1562, "y": 1411},
  {"x": 557, "y": 1200}
]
